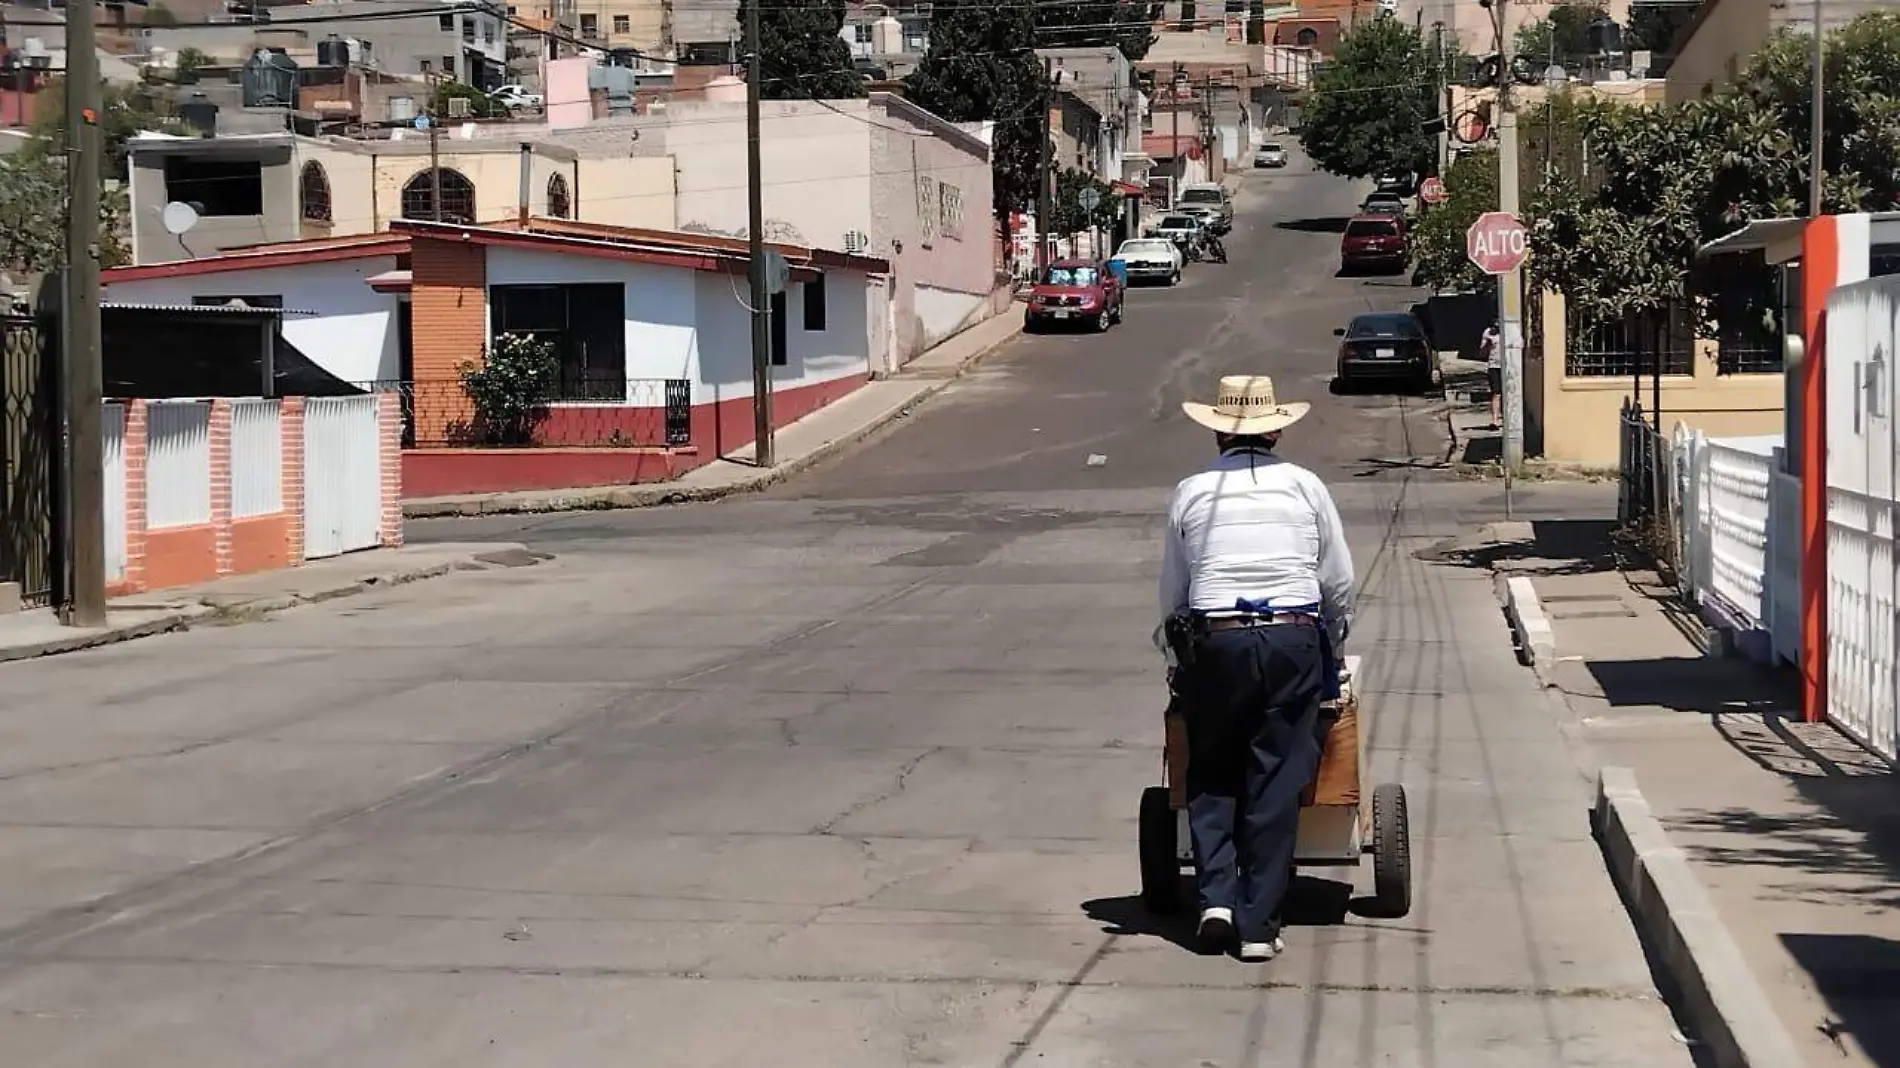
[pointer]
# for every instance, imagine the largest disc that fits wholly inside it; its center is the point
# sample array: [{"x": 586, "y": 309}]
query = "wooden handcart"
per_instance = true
[{"x": 1338, "y": 824}]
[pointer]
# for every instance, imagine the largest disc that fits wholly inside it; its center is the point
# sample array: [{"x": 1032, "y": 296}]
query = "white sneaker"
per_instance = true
[
  {"x": 1262, "y": 952},
  {"x": 1217, "y": 928}
]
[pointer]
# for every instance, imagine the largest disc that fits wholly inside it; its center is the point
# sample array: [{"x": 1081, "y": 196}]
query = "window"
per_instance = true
[
  {"x": 1379, "y": 326},
  {"x": 425, "y": 65},
  {"x": 590, "y": 26},
  {"x": 586, "y": 324},
  {"x": 623, "y": 24},
  {"x": 815, "y": 303},
  {"x": 1307, "y": 38},
  {"x": 448, "y": 65},
  {"x": 468, "y": 29},
  {"x": 217, "y": 187},
  {"x": 559, "y": 205},
  {"x": 458, "y": 197},
  {"x": 1071, "y": 276},
  {"x": 249, "y": 300},
  {"x": 861, "y": 33},
  {"x": 1371, "y": 228},
  {"x": 314, "y": 193},
  {"x": 447, "y": 22},
  {"x": 780, "y": 355}
]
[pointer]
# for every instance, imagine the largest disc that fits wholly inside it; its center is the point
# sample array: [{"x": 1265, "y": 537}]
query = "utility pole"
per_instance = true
[
  {"x": 1816, "y": 124},
  {"x": 83, "y": 385},
  {"x": 762, "y": 443},
  {"x": 1045, "y": 187},
  {"x": 1510, "y": 286},
  {"x": 1180, "y": 165},
  {"x": 1444, "y": 97},
  {"x": 435, "y": 153}
]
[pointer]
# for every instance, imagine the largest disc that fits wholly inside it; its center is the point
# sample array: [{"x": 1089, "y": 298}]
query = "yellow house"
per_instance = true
[
  {"x": 1713, "y": 49},
  {"x": 259, "y": 189}
]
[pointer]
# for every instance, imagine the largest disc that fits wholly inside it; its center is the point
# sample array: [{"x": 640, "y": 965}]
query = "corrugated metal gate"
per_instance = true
[
  {"x": 31, "y": 541},
  {"x": 343, "y": 475},
  {"x": 1863, "y": 609}
]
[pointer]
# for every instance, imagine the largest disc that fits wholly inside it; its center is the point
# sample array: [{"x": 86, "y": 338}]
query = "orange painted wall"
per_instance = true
[
  {"x": 180, "y": 556},
  {"x": 261, "y": 543}
]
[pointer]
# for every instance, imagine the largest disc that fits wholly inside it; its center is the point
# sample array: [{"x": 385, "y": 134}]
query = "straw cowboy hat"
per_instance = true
[{"x": 1245, "y": 406}]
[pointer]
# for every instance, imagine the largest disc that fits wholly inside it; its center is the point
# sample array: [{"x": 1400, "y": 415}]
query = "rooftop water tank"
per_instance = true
[
  {"x": 269, "y": 80},
  {"x": 726, "y": 89}
]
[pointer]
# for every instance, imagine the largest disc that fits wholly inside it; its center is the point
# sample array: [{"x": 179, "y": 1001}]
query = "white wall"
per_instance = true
[
  {"x": 353, "y": 335},
  {"x": 944, "y": 312},
  {"x": 662, "y": 336}
]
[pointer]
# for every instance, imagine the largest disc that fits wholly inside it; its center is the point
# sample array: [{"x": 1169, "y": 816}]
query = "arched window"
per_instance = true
[
  {"x": 314, "y": 193},
  {"x": 1307, "y": 37},
  {"x": 559, "y": 203},
  {"x": 458, "y": 197}
]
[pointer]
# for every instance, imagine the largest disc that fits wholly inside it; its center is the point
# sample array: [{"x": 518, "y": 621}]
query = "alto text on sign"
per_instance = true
[{"x": 1498, "y": 242}]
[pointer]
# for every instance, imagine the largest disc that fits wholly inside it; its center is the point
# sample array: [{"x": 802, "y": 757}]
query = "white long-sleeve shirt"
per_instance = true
[{"x": 1259, "y": 528}]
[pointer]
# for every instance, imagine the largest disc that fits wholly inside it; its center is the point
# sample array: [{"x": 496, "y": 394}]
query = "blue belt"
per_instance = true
[{"x": 1328, "y": 660}]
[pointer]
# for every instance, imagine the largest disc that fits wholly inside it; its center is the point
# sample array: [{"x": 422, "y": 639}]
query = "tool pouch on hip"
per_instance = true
[{"x": 1182, "y": 632}]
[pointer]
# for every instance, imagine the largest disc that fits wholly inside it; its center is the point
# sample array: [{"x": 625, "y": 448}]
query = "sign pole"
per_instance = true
[{"x": 1510, "y": 285}]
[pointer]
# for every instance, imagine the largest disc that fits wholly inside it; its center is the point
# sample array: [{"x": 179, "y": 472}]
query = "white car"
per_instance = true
[
  {"x": 1270, "y": 155},
  {"x": 1150, "y": 259},
  {"x": 515, "y": 97}
]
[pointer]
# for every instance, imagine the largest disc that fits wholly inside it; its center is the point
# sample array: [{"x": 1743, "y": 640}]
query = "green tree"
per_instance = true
[
  {"x": 1438, "y": 241},
  {"x": 1070, "y": 216},
  {"x": 1561, "y": 36},
  {"x": 980, "y": 68},
  {"x": 801, "y": 54},
  {"x": 480, "y": 104},
  {"x": 1368, "y": 106},
  {"x": 125, "y": 113},
  {"x": 510, "y": 389},
  {"x": 33, "y": 188},
  {"x": 1126, "y": 24},
  {"x": 190, "y": 62}
]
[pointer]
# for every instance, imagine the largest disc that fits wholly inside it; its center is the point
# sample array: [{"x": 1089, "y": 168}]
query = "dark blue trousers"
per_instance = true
[{"x": 1251, "y": 705}]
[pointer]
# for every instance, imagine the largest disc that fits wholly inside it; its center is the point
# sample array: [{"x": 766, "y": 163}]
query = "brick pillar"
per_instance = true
[
  {"x": 290, "y": 424},
  {"x": 134, "y": 578},
  {"x": 221, "y": 484},
  {"x": 448, "y": 301},
  {"x": 389, "y": 456}
]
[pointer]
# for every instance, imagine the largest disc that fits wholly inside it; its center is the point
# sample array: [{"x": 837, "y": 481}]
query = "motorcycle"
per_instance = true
[
  {"x": 1190, "y": 249},
  {"x": 1215, "y": 250}
]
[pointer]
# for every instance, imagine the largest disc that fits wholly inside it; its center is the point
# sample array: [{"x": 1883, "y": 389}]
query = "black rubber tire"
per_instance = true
[
  {"x": 1160, "y": 864},
  {"x": 1103, "y": 322},
  {"x": 1174, "y": 279},
  {"x": 1391, "y": 851}
]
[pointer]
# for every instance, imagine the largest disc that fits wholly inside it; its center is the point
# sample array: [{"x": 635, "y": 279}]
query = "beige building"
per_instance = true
[
  {"x": 1726, "y": 33},
  {"x": 255, "y": 189},
  {"x": 643, "y": 24}
]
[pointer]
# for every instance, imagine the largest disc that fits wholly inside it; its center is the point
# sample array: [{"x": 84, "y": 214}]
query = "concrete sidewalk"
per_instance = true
[
  {"x": 38, "y": 633},
  {"x": 812, "y": 440},
  {"x": 1766, "y": 881}
]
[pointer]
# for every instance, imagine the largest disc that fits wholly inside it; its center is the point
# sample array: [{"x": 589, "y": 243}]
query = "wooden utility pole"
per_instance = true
[
  {"x": 1511, "y": 285},
  {"x": 85, "y": 516},
  {"x": 435, "y": 152},
  {"x": 1180, "y": 164},
  {"x": 1046, "y": 206},
  {"x": 762, "y": 443}
]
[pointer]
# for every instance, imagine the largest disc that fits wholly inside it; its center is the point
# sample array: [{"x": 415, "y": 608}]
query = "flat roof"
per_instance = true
[
  {"x": 1764, "y": 234},
  {"x": 258, "y": 257},
  {"x": 673, "y": 248}
]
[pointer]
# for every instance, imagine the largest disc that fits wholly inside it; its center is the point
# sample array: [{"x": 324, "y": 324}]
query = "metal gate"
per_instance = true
[
  {"x": 342, "y": 475},
  {"x": 1863, "y": 611},
  {"x": 31, "y": 542}
]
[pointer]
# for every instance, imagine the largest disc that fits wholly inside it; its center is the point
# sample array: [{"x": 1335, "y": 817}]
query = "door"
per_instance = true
[{"x": 342, "y": 475}]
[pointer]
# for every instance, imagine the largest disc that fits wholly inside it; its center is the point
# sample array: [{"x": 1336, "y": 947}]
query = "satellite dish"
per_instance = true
[{"x": 179, "y": 218}]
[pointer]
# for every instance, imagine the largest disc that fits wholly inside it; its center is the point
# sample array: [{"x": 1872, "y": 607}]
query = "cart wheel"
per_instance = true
[
  {"x": 1160, "y": 863},
  {"x": 1391, "y": 851}
]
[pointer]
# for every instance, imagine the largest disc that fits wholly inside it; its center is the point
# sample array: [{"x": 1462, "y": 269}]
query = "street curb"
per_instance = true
[
  {"x": 209, "y": 611},
  {"x": 1728, "y": 1009},
  {"x": 609, "y": 498},
  {"x": 1530, "y": 627}
]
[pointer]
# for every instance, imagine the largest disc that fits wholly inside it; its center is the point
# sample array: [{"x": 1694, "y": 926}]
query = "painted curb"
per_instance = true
[
  {"x": 212, "y": 611},
  {"x": 1730, "y": 1012},
  {"x": 608, "y": 498},
  {"x": 1536, "y": 642}
]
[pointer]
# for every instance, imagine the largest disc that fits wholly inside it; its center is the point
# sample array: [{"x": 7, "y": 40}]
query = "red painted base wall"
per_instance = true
[{"x": 719, "y": 429}]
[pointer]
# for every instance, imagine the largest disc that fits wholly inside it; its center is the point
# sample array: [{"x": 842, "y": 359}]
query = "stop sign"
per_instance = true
[
  {"x": 1497, "y": 242},
  {"x": 1432, "y": 191}
]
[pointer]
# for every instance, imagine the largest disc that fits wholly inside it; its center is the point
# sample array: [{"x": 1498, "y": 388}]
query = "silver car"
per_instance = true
[
  {"x": 1151, "y": 259},
  {"x": 1269, "y": 155}
]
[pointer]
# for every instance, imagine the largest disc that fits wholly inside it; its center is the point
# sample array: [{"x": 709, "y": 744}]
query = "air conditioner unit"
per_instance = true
[{"x": 458, "y": 107}]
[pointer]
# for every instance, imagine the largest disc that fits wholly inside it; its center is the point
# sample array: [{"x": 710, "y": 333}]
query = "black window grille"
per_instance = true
[
  {"x": 314, "y": 192},
  {"x": 1660, "y": 341},
  {"x": 559, "y": 204},
  {"x": 458, "y": 197},
  {"x": 679, "y": 412}
]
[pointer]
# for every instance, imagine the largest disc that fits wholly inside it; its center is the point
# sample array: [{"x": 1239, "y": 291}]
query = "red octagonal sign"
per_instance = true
[{"x": 1497, "y": 242}]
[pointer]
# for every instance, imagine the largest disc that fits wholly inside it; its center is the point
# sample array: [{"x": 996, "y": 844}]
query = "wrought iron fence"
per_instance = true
[
  {"x": 31, "y": 539},
  {"x": 1643, "y": 468},
  {"x": 1647, "y": 343},
  {"x": 643, "y": 413}
]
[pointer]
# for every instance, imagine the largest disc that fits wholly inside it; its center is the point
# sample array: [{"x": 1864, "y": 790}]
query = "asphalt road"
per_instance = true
[{"x": 841, "y": 776}]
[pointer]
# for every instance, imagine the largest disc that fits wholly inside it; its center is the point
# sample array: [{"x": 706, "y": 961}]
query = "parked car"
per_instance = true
[
  {"x": 1383, "y": 204},
  {"x": 1184, "y": 230},
  {"x": 1074, "y": 291},
  {"x": 1385, "y": 346},
  {"x": 1151, "y": 259},
  {"x": 1404, "y": 183},
  {"x": 1269, "y": 155},
  {"x": 1207, "y": 194},
  {"x": 516, "y": 97},
  {"x": 1210, "y": 217},
  {"x": 1373, "y": 242}
]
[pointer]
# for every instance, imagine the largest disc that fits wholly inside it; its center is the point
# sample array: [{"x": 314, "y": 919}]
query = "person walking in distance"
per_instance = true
[
  {"x": 1255, "y": 591},
  {"x": 1494, "y": 371}
]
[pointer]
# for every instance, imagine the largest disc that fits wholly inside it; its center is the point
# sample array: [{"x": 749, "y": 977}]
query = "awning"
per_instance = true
[
  {"x": 1780, "y": 239},
  {"x": 391, "y": 281},
  {"x": 233, "y": 309}
]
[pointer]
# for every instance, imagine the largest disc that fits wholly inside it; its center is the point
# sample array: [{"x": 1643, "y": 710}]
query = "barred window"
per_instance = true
[
  {"x": 458, "y": 197},
  {"x": 559, "y": 204},
  {"x": 314, "y": 192}
]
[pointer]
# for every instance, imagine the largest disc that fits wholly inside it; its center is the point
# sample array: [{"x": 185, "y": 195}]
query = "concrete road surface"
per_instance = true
[{"x": 841, "y": 777}]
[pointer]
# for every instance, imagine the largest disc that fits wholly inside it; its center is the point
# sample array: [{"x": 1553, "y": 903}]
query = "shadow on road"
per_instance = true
[
  {"x": 1325, "y": 224},
  {"x": 1310, "y": 902}
]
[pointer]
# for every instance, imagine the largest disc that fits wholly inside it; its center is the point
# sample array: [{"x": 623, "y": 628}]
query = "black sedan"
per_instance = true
[{"x": 1387, "y": 347}]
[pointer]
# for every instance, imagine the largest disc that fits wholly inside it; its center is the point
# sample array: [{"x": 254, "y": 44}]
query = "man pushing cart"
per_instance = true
[{"x": 1256, "y": 598}]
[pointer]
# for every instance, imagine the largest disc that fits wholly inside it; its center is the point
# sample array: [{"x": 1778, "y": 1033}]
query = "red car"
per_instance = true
[
  {"x": 1375, "y": 242},
  {"x": 1074, "y": 292}
]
